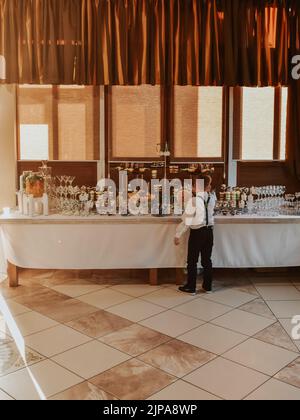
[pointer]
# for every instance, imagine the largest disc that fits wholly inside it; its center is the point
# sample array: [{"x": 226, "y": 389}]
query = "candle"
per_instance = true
[
  {"x": 20, "y": 201},
  {"x": 21, "y": 183},
  {"x": 31, "y": 205},
  {"x": 25, "y": 205},
  {"x": 45, "y": 205},
  {"x": 6, "y": 211}
]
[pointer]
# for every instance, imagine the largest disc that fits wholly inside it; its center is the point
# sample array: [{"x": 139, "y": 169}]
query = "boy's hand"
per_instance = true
[{"x": 177, "y": 241}]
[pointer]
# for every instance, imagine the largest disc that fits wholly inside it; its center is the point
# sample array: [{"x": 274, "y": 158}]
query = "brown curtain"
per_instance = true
[
  {"x": 293, "y": 115},
  {"x": 257, "y": 42},
  {"x": 120, "y": 42}
]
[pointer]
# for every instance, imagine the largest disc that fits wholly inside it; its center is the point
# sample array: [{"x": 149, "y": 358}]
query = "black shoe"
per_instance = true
[
  {"x": 207, "y": 288},
  {"x": 187, "y": 289}
]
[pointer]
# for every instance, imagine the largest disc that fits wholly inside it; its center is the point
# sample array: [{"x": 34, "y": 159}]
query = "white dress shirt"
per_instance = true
[{"x": 194, "y": 216}]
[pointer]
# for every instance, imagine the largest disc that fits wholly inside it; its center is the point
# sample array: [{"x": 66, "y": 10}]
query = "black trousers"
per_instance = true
[{"x": 201, "y": 242}]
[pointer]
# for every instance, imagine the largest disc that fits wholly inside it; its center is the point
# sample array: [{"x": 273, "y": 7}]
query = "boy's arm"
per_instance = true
[
  {"x": 181, "y": 230},
  {"x": 186, "y": 219}
]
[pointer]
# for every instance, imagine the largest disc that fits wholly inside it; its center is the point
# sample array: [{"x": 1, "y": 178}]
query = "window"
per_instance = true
[
  {"x": 260, "y": 122},
  {"x": 135, "y": 122},
  {"x": 34, "y": 142},
  {"x": 58, "y": 123},
  {"x": 2, "y": 67},
  {"x": 198, "y": 122}
]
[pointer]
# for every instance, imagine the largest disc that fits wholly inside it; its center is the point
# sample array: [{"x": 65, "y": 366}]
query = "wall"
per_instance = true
[
  {"x": 267, "y": 173},
  {"x": 7, "y": 152}
]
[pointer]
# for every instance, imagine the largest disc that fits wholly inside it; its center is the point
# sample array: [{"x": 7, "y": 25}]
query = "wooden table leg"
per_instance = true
[
  {"x": 180, "y": 277},
  {"x": 153, "y": 277},
  {"x": 13, "y": 275}
]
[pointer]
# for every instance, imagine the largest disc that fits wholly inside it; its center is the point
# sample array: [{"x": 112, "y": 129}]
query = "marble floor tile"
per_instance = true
[
  {"x": 230, "y": 297},
  {"x": 171, "y": 323},
  {"x": 105, "y": 298},
  {"x": 56, "y": 340},
  {"x": 25, "y": 288},
  {"x": 264, "y": 280},
  {"x": 68, "y": 310},
  {"x": 41, "y": 300},
  {"x": 136, "y": 310},
  {"x": 213, "y": 339},
  {"x": 258, "y": 307},
  {"x": 243, "y": 322},
  {"x": 5, "y": 397},
  {"x": 290, "y": 374},
  {"x": 28, "y": 323},
  {"x": 280, "y": 293},
  {"x": 99, "y": 323},
  {"x": 38, "y": 382},
  {"x": 274, "y": 390},
  {"x": 168, "y": 298},
  {"x": 183, "y": 391},
  {"x": 11, "y": 360},
  {"x": 136, "y": 290},
  {"x": 226, "y": 380},
  {"x": 84, "y": 392},
  {"x": 133, "y": 380},
  {"x": 263, "y": 357},
  {"x": 203, "y": 309},
  {"x": 177, "y": 358},
  {"x": 288, "y": 326},
  {"x": 77, "y": 288},
  {"x": 276, "y": 335},
  {"x": 175, "y": 344},
  {"x": 135, "y": 340},
  {"x": 249, "y": 289},
  {"x": 284, "y": 309},
  {"x": 13, "y": 308},
  {"x": 90, "y": 359}
]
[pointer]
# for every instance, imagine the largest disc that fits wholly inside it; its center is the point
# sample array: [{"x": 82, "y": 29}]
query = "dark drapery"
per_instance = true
[
  {"x": 293, "y": 115},
  {"x": 195, "y": 42}
]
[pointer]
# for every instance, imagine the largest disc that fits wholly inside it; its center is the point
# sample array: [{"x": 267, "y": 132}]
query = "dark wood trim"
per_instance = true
[
  {"x": 153, "y": 277},
  {"x": 13, "y": 275},
  {"x": 18, "y": 134},
  {"x": 96, "y": 122},
  {"x": 55, "y": 134},
  {"x": 277, "y": 124},
  {"x": 226, "y": 110},
  {"x": 237, "y": 123},
  {"x": 84, "y": 171},
  {"x": 266, "y": 173},
  {"x": 197, "y": 160},
  {"x": 180, "y": 276},
  {"x": 108, "y": 124},
  {"x": 167, "y": 115}
]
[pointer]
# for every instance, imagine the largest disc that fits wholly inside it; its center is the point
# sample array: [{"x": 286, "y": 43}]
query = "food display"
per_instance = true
[{"x": 137, "y": 196}]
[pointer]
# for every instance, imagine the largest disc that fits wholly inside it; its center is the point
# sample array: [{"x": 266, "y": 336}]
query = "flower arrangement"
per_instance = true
[{"x": 34, "y": 185}]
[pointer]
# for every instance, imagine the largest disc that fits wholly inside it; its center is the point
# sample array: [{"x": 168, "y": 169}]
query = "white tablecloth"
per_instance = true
[{"x": 121, "y": 243}]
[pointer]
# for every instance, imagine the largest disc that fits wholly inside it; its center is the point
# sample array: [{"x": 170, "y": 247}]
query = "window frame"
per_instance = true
[
  {"x": 225, "y": 134},
  {"x": 110, "y": 158},
  {"x": 238, "y": 127},
  {"x": 54, "y": 138}
]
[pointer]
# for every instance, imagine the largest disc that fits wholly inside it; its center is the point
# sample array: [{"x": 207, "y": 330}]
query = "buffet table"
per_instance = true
[{"x": 116, "y": 242}]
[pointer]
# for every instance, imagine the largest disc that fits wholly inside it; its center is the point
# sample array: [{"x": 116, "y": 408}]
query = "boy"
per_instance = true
[{"x": 199, "y": 218}]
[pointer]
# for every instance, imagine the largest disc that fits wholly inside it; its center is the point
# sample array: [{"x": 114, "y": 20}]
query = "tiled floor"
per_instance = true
[{"x": 104, "y": 336}]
